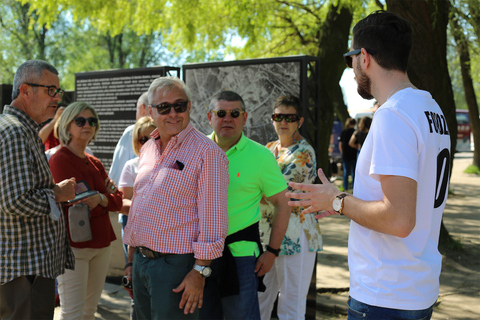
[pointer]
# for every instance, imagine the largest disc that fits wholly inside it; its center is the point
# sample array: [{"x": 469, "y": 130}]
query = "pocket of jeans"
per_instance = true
[{"x": 356, "y": 311}]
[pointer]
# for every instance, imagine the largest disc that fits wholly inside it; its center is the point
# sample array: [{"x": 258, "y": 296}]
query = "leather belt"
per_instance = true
[{"x": 150, "y": 254}]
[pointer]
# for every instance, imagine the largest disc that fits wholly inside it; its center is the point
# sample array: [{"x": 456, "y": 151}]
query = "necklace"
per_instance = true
[{"x": 407, "y": 84}]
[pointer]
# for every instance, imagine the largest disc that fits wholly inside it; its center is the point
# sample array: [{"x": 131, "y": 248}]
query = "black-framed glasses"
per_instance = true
[
  {"x": 52, "y": 90},
  {"x": 81, "y": 121},
  {"x": 278, "y": 117},
  {"x": 143, "y": 140},
  {"x": 348, "y": 56},
  {"x": 164, "y": 108},
  {"x": 223, "y": 113}
]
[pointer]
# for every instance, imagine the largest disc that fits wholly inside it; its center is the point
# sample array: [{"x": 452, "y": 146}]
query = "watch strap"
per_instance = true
[
  {"x": 340, "y": 197},
  {"x": 276, "y": 252}
]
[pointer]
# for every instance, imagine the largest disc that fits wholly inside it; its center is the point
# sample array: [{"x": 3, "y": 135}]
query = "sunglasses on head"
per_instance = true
[
  {"x": 164, "y": 108},
  {"x": 349, "y": 55},
  {"x": 80, "y": 121},
  {"x": 278, "y": 117},
  {"x": 223, "y": 113},
  {"x": 143, "y": 140}
]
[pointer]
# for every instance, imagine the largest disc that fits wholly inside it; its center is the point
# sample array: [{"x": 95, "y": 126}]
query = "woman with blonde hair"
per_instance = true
[{"x": 80, "y": 289}]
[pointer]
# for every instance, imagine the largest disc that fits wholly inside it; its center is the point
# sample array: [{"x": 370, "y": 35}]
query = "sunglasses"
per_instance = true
[
  {"x": 164, "y": 108},
  {"x": 52, "y": 90},
  {"x": 80, "y": 122},
  {"x": 278, "y": 117},
  {"x": 143, "y": 140},
  {"x": 348, "y": 56},
  {"x": 223, "y": 113}
]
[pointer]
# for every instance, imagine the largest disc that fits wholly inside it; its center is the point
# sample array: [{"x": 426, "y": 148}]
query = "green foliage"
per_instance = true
[{"x": 472, "y": 170}]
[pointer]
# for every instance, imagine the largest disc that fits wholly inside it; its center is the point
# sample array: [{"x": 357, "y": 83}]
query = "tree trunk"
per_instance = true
[
  {"x": 333, "y": 39},
  {"x": 428, "y": 69},
  {"x": 470, "y": 97}
]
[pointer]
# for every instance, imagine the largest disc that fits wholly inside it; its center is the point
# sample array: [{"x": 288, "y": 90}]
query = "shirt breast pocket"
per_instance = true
[{"x": 178, "y": 183}]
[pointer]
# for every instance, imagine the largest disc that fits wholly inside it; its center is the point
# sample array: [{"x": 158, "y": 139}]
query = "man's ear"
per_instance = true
[{"x": 209, "y": 117}]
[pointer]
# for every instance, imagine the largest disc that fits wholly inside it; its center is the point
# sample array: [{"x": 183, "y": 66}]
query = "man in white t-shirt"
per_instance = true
[{"x": 401, "y": 182}]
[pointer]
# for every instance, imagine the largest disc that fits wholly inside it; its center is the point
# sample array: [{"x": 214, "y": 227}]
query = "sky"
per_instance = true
[{"x": 354, "y": 102}]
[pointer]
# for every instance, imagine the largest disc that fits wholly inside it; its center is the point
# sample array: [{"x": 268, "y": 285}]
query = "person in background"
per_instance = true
[
  {"x": 349, "y": 154},
  {"x": 231, "y": 293},
  {"x": 291, "y": 273},
  {"x": 80, "y": 289},
  {"x": 178, "y": 219},
  {"x": 124, "y": 152},
  {"x": 401, "y": 185},
  {"x": 140, "y": 135},
  {"x": 358, "y": 137},
  {"x": 47, "y": 134},
  {"x": 34, "y": 246}
]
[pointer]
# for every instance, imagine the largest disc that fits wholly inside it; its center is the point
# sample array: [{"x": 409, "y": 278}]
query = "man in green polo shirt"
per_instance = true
[{"x": 254, "y": 173}]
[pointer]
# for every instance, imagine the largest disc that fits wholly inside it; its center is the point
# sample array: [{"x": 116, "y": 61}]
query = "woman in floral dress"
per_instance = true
[{"x": 292, "y": 271}]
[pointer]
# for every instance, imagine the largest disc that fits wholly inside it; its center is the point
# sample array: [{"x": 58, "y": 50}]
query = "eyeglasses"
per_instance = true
[
  {"x": 143, "y": 140},
  {"x": 348, "y": 56},
  {"x": 278, "y": 117},
  {"x": 80, "y": 122},
  {"x": 52, "y": 90},
  {"x": 164, "y": 108},
  {"x": 223, "y": 113}
]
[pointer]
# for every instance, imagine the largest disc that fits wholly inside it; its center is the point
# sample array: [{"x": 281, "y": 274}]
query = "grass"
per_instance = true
[{"x": 472, "y": 169}]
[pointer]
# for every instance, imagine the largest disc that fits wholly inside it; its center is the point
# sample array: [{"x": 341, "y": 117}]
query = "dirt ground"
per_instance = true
[
  {"x": 460, "y": 276},
  {"x": 459, "y": 297}
]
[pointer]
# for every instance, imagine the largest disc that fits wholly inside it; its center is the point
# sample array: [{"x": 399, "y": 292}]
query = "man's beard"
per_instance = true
[{"x": 364, "y": 85}]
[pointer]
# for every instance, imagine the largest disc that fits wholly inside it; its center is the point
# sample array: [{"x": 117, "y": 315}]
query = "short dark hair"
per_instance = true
[
  {"x": 350, "y": 122},
  {"x": 30, "y": 71},
  {"x": 226, "y": 95},
  {"x": 289, "y": 100},
  {"x": 388, "y": 36}
]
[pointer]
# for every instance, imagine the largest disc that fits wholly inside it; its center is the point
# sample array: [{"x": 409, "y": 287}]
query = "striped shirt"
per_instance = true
[
  {"x": 31, "y": 243},
  {"x": 179, "y": 202}
]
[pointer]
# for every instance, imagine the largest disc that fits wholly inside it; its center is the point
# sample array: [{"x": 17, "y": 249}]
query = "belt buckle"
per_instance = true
[{"x": 147, "y": 253}]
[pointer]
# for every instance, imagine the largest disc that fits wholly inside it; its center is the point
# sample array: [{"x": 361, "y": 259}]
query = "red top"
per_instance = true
[
  {"x": 64, "y": 164},
  {"x": 51, "y": 141}
]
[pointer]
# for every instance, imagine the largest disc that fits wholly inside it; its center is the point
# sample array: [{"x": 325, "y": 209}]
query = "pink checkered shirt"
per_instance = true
[{"x": 180, "y": 211}]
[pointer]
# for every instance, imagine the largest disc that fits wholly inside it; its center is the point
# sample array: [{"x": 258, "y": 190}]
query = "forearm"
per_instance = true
[
  {"x": 280, "y": 220},
  {"x": 45, "y": 131},
  {"x": 395, "y": 214},
  {"x": 126, "y": 204}
]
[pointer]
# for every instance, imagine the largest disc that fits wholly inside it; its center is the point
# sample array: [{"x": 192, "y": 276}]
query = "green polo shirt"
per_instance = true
[{"x": 253, "y": 172}]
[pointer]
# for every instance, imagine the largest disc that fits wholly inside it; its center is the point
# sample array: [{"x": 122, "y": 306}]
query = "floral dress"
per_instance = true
[{"x": 297, "y": 164}]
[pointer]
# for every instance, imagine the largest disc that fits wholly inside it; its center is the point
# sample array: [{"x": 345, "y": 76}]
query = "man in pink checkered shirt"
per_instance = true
[{"x": 178, "y": 220}]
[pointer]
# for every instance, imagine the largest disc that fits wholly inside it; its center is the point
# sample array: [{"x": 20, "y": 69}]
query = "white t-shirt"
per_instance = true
[
  {"x": 129, "y": 173},
  {"x": 123, "y": 152},
  {"x": 408, "y": 137}
]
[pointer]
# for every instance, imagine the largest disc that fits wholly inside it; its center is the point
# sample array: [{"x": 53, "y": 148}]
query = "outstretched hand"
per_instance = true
[{"x": 316, "y": 197}]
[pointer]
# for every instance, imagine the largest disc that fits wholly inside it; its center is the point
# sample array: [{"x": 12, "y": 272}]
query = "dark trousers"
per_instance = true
[
  {"x": 27, "y": 297},
  {"x": 242, "y": 306},
  {"x": 153, "y": 281}
]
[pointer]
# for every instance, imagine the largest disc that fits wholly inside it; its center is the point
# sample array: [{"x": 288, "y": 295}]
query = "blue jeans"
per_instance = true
[
  {"x": 348, "y": 170},
  {"x": 153, "y": 281},
  {"x": 242, "y": 306},
  {"x": 125, "y": 247},
  {"x": 358, "y": 310}
]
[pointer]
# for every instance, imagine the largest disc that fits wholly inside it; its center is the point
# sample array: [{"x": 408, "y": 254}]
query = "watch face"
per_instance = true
[
  {"x": 337, "y": 204},
  {"x": 207, "y": 271}
]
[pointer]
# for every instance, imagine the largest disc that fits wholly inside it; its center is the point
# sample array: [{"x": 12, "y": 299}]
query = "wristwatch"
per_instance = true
[
  {"x": 205, "y": 271},
  {"x": 338, "y": 203}
]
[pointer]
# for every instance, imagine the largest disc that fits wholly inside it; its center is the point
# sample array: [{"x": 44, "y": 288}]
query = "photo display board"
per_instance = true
[
  {"x": 114, "y": 95},
  {"x": 258, "y": 81}
]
